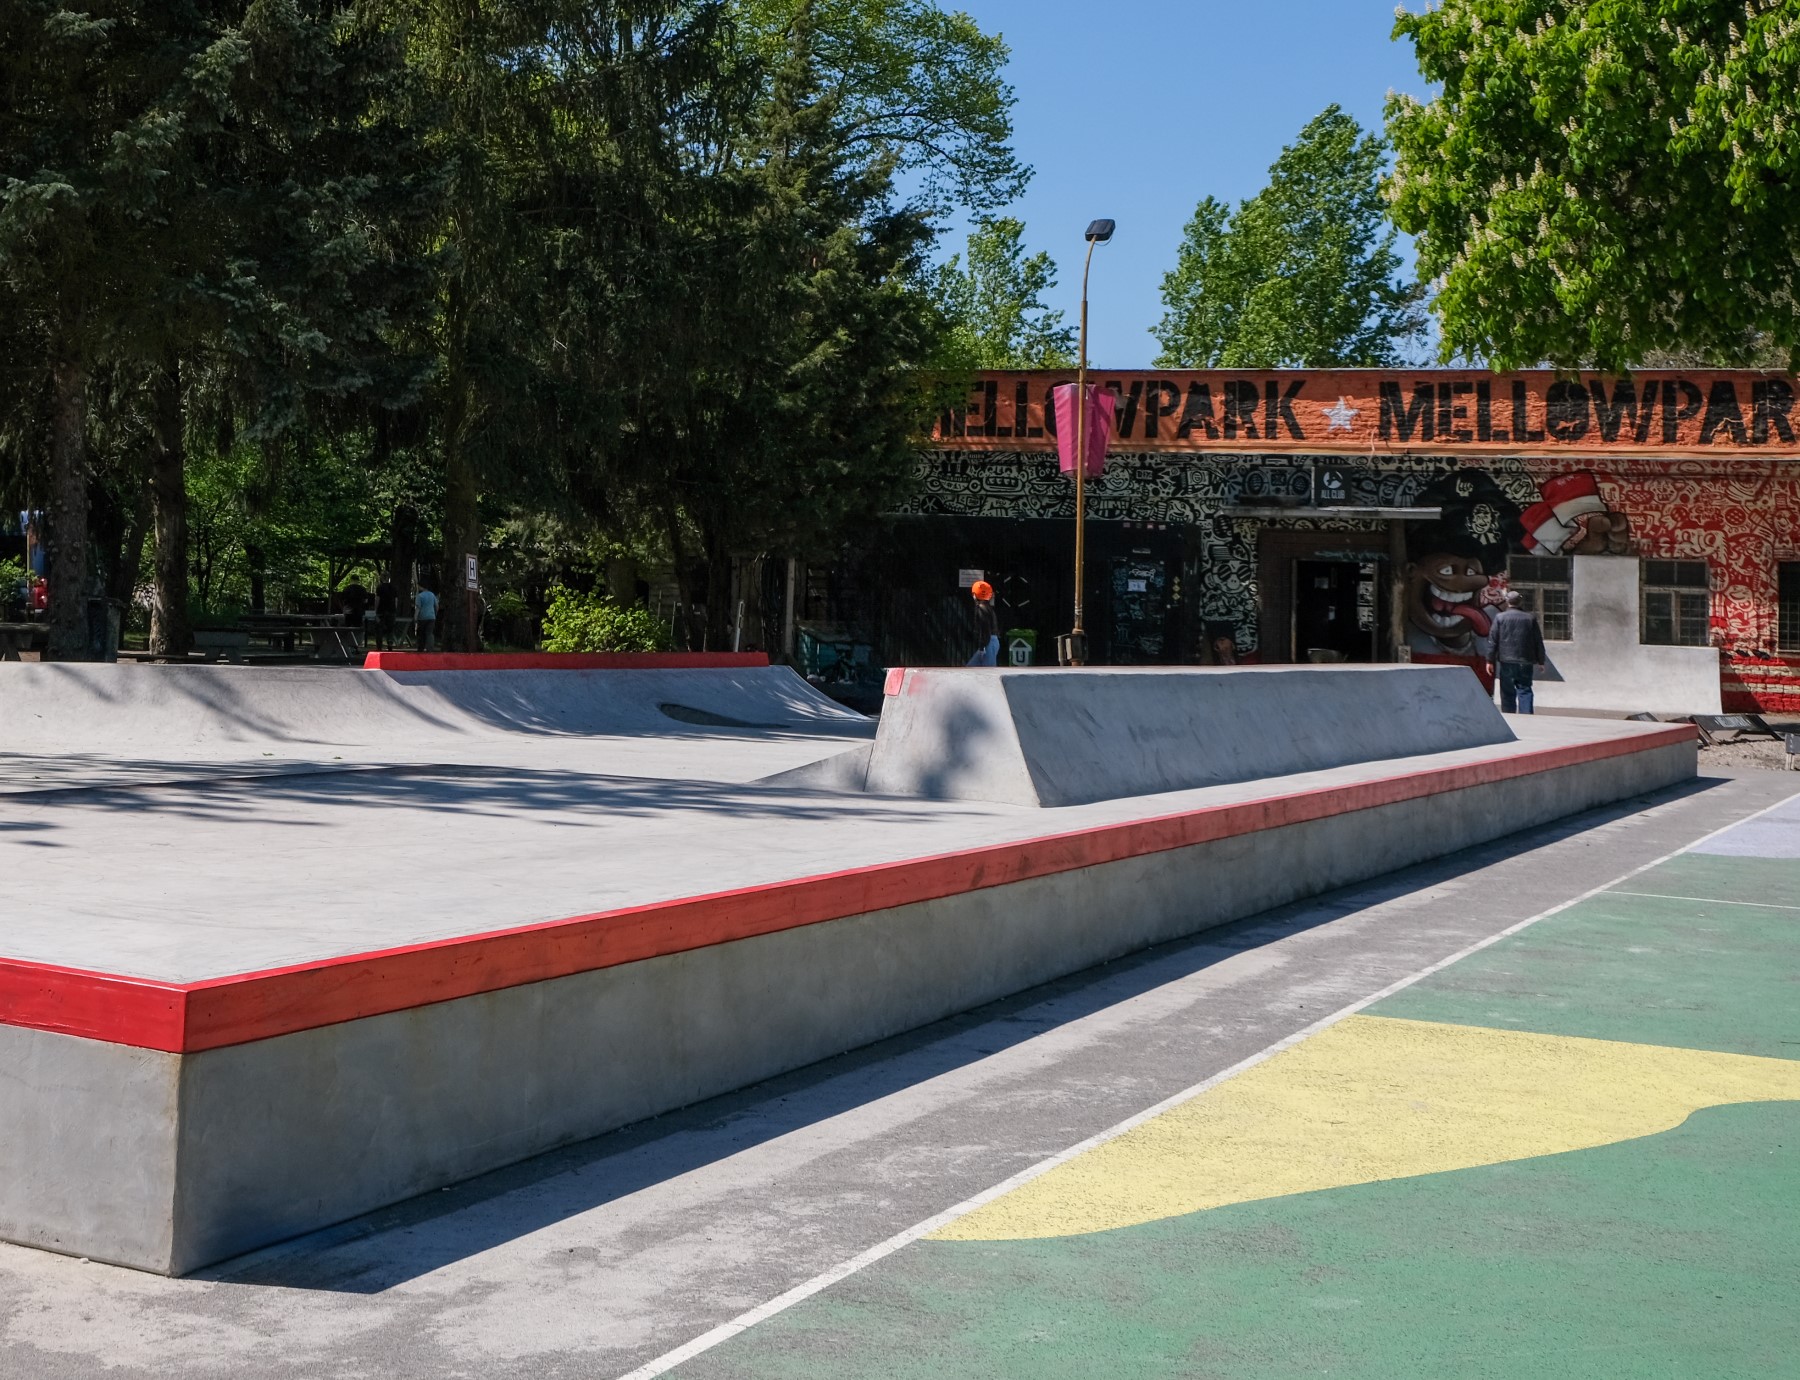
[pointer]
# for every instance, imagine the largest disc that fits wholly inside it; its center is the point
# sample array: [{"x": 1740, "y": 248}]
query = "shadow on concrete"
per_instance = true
[
  {"x": 272, "y": 798},
  {"x": 387, "y": 1248},
  {"x": 62, "y": 703}
]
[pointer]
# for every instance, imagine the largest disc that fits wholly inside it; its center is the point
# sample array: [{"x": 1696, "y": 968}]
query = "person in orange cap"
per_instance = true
[{"x": 987, "y": 627}]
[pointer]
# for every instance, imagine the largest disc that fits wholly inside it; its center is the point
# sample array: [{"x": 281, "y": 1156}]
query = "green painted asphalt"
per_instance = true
[
  {"x": 1674, "y": 1255},
  {"x": 1724, "y": 977}
]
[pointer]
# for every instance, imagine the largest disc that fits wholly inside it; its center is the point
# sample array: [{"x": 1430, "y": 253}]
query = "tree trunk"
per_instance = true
[
  {"x": 256, "y": 560},
  {"x": 171, "y": 632},
  {"x": 462, "y": 539},
  {"x": 684, "y": 598},
  {"x": 68, "y": 556},
  {"x": 720, "y": 610},
  {"x": 131, "y": 549}
]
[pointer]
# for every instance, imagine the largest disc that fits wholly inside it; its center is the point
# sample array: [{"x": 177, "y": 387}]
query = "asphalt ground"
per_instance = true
[{"x": 1569, "y": 1152}]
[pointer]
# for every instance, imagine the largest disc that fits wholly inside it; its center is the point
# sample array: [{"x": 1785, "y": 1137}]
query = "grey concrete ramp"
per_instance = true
[
  {"x": 61, "y": 707},
  {"x": 1070, "y": 737}
]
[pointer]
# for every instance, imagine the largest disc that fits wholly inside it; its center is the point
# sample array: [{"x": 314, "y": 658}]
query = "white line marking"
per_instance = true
[
  {"x": 818, "y": 1283},
  {"x": 1705, "y": 900}
]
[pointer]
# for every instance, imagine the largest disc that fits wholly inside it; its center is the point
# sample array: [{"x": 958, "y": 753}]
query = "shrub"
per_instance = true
[{"x": 577, "y": 622}]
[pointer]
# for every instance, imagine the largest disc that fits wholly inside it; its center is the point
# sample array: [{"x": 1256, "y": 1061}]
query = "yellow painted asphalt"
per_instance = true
[{"x": 1375, "y": 1098}]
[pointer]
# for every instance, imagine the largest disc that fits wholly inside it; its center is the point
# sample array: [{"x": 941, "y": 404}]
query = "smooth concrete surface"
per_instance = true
[
  {"x": 599, "y": 1258},
  {"x": 1071, "y": 737},
  {"x": 216, "y": 877},
  {"x": 87, "y": 1150},
  {"x": 64, "y": 706},
  {"x": 1606, "y": 668},
  {"x": 287, "y": 1134}
]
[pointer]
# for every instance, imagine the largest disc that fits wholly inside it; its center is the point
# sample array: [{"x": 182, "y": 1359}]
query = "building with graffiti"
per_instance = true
[{"x": 1652, "y": 522}]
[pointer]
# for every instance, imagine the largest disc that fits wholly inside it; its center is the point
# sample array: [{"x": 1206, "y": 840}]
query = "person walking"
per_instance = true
[
  {"x": 987, "y": 627},
  {"x": 1518, "y": 652},
  {"x": 425, "y": 609}
]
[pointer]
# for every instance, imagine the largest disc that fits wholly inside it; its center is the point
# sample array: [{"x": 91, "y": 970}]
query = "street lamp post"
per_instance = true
[{"x": 1074, "y": 648}]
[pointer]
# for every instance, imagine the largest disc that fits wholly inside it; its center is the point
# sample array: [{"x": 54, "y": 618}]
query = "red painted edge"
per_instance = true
[
  {"x": 186, "y": 1018},
  {"x": 563, "y": 661}
]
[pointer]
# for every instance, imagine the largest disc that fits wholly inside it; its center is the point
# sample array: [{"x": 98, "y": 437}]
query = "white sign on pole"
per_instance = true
[
  {"x": 965, "y": 578},
  {"x": 471, "y": 579}
]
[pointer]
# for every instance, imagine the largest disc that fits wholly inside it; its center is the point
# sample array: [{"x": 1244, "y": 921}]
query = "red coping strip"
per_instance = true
[
  {"x": 184, "y": 1018},
  {"x": 563, "y": 661}
]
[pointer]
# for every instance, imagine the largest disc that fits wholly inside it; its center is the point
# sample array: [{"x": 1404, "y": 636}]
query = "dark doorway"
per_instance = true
[
  {"x": 1140, "y": 610},
  {"x": 1338, "y": 610}
]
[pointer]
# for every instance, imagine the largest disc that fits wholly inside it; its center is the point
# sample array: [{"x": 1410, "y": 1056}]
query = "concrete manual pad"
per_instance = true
[
  {"x": 381, "y": 978},
  {"x": 1073, "y": 737}
]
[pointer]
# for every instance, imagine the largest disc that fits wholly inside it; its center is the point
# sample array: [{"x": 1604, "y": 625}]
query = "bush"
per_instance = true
[{"x": 587, "y": 623}]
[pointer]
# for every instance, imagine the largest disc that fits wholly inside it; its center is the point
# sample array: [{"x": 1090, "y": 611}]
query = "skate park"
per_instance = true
[{"x": 346, "y": 937}]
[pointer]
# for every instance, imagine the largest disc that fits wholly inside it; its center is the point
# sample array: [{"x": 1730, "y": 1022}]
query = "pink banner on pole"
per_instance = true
[{"x": 1100, "y": 407}]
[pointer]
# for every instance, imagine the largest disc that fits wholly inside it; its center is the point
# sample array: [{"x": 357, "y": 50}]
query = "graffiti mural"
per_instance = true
[{"x": 1738, "y": 515}]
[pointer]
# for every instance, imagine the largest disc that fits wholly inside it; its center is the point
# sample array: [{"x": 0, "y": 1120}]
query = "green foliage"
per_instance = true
[
  {"x": 1304, "y": 274},
  {"x": 1599, "y": 182},
  {"x": 915, "y": 85},
  {"x": 995, "y": 304},
  {"x": 285, "y": 526},
  {"x": 577, "y": 622}
]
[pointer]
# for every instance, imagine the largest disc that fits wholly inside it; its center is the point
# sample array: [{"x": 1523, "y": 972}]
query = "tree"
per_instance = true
[
  {"x": 189, "y": 181},
  {"x": 913, "y": 83},
  {"x": 87, "y": 136},
  {"x": 808, "y": 327},
  {"x": 1599, "y": 182},
  {"x": 995, "y": 305},
  {"x": 1304, "y": 274}
]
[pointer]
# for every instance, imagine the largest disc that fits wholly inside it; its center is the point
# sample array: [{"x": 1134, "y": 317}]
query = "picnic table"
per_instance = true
[
  {"x": 330, "y": 637},
  {"x": 22, "y": 637}
]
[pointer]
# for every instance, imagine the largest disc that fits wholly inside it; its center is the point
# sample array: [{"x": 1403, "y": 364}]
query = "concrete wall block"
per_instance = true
[
  {"x": 87, "y": 1146},
  {"x": 289, "y": 1134}
]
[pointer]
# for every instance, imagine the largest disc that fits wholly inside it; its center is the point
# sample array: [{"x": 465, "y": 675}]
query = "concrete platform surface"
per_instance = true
[
  {"x": 609, "y": 1258},
  {"x": 260, "y": 1003},
  {"x": 195, "y": 881}
]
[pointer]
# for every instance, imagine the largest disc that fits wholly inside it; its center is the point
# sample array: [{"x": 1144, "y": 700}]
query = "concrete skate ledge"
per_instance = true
[
  {"x": 185, "y": 1018},
  {"x": 563, "y": 661}
]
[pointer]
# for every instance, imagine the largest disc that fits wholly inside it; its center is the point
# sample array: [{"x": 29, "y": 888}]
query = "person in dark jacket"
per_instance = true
[
  {"x": 987, "y": 627},
  {"x": 1518, "y": 652}
]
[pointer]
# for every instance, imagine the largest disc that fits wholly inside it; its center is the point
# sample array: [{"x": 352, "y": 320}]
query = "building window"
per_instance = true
[
  {"x": 1676, "y": 604},
  {"x": 1543, "y": 586},
  {"x": 1788, "y": 629}
]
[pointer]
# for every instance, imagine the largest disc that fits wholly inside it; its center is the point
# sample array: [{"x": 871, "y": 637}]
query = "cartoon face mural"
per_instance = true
[{"x": 1451, "y": 560}]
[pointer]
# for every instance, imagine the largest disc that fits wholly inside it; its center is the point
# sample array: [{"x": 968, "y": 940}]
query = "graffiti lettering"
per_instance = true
[
  {"x": 1197, "y": 413},
  {"x": 1722, "y": 411},
  {"x": 1279, "y": 408},
  {"x": 1450, "y": 412},
  {"x": 1566, "y": 410},
  {"x": 1398, "y": 418},
  {"x": 1354, "y": 410},
  {"x": 1674, "y": 416},
  {"x": 1242, "y": 402},
  {"x": 1163, "y": 399},
  {"x": 1770, "y": 402},
  {"x": 1522, "y": 429},
  {"x": 1611, "y": 415}
]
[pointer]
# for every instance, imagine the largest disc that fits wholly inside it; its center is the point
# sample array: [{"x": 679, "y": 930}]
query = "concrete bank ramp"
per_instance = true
[
  {"x": 1049, "y": 737},
  {"x": 70, "y": 707}
]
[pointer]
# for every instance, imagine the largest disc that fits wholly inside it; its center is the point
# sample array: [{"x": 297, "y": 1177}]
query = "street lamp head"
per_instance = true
[{"x": 1100, "y": 231}]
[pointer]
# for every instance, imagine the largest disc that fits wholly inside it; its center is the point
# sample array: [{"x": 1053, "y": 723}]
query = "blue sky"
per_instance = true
[{"x": 1135, "y": 109}]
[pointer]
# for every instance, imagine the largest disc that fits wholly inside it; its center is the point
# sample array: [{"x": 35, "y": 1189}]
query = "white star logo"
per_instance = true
[{"x": 1342, "y": 415}]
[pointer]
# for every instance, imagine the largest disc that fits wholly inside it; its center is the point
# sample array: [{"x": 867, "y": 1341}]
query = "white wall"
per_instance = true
[{"x": 1606, "y": 667}]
